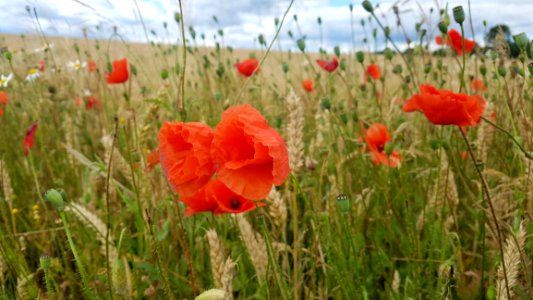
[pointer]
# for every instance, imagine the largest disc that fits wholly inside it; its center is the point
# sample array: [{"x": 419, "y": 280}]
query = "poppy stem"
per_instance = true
[
  {"x": 517, "y": 143},
  {"x": 108, "y": 212},
  {"x": 184, "y": 57},
  {"x": 463, "y": 66},
  {"x": 485, "y": 189}
]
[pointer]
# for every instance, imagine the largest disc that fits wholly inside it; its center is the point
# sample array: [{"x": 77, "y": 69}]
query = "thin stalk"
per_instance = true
[
  {"x": 485, "y": 189},
  {"x": 108, "y": 212},
  {"x": 527, "y": 154},
  {"x": 184, "y": 57}
]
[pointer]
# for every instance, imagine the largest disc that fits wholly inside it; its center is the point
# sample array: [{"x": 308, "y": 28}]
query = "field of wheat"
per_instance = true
[{"x": 178, "y": 171}]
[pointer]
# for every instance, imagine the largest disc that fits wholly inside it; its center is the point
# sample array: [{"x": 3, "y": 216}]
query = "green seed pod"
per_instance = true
[
  {"x": 218, "y": 96},
  {"x": 521, "y": 40},
  {"x": 164, "y": 74},
  {"x": 325, "y": 103},
  {"x": 368, "y": 6},
  {"x": 443, "y": 28},
  {"x": 388, "y": 53},
  {"x": 54, "y": 197},
  {"x": 285, "y": 68},
  {"x": 360, "y": 56},
  {"x": 483, "y": 70},
  {"x": 427, "y": 68},
  {"x": 337, "y": 51},
  {"x": 177, "y": 17},
  {"x": 343, "y": 203},
  {"x": 342, "y": 64},
  {"x": 389, "y": 147},
  {"x": 459, "y": 14},
  {"x": 398, "y": 69},
  {"x": 502, "y": 71},
  {"x": 319, "y": 20},
  {"x": 434, "y": 144},
  {"x": 261, "y": 39},
  {"x": 350, "y": 7},
  {"x": 8, "y": 55}
]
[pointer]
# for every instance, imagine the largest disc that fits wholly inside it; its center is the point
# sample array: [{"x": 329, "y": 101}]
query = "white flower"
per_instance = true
[
  {"x": 76, "y": 65},
  {"x": 4, "y": 80},
  {"x": 33, "y": 74},
  {"x": 44, "y": 48}
]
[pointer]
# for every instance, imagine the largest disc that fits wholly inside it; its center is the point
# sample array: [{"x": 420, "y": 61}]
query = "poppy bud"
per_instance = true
[
  {"x": 301, "y": 44},
  {"x": 502, "y": 71},
  {"x": 261, "y": 40},
  {"x": 337, "y": 51},
  {"x": 397, "y": 69},
  {"x": 177, "y": 17},
  {"x": 350, "y": 7},
  {"x": 177, "y": 69},
  {"x": 295, "y": 17},
  {"x": 319, "y": 20},
  {"x": 459, "y": 14},
  {"x": 443, "y": 28},
  {"x": 325, "y": 103},
  {"x": 343, "y": 203},
  {"x": 389, "y": 147},
  {"x": 368, "y": 6},
  {"x": 434, "y": 144},
  {"x": 220, "y": 70},
  {"x": 342, "y": 64},
  {"x": 521, "y": 40},
  {"x": 427, "y": 68},
  {"x": 290, "y": 34},
  {"x": 386, "y": 30},
  {"x": 388, "y": 53},
  {"x": 360, "y": 56},
  {"x": 483, "y": 70},
  {"x": 8, "y": 55},
  {"x": 218, "y": 96},
  {"x": 55, "y": 198},
  {"x": 285, "y": 68},
  {"x": 164, "y": 74}
]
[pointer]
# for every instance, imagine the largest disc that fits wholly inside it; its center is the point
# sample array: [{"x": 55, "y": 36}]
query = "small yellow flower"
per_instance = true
[{"x": 14, "y": 211}]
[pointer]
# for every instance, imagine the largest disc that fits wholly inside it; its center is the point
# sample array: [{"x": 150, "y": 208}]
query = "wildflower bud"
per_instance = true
[
  {"x": 397, "y": 69},
  {"x": 55, "y": 198},
  {"x": 521, "y": 40},
  {"x": 388, "y": 53},
  {"x": 434, "y": 144},
  {"x": 8, "y": 55},
  {"x": 443, "y": 28},
  {"x": 375, "y": 33},
  {"x": 177, "y": 17},
  {"x": 483, "y": 70},
  {"x": 261, "y": 40},
  {"x": 301, "y": 44},
  {"x": 290, "y": 34},
  {"x": 217, "y": 95},
  {"x": 427, "y": 68},
  {"x": 177, "y": 69},
  {"x": 337, "y": 51},
  {"x": 360, "y": 56},
  {"x": 502, "y": 71},
  {"x": 285, "y": 68},
  {"x": 45, "y": 261},
  {"x": 350, "y": 7},
  {"x": 344, "y": 118},
  {"x": 368, "y": 6},
  {"x": 343, "y": 203},
  {"x": 389, "y": 147},
  {"x": 221, "y": 70},
  {"x": 342, "y": 64},
  {"x": 295, "y": 17},
  {"x": 109, "y": 67},
  {"x": 165, "y": 25},
  {"x": 319, "y": 20},
  {"x": 164, "y": 74},
  {"x": 220, "y": 32},
  {"x": 459, "y": 14},
  {"x": 355, "y": 118},
  {"x": 276, "y": 22},
  {"x": 325, "y": 103},
  {"x": 133, "y": 70},
  {"x": 386, "y": 30}
]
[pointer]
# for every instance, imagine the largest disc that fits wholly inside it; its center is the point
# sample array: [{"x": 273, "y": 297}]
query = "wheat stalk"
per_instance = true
[
  {"x": 256, "y": 246},
  {"x": 6, "y": 185},
  {"x": 277, "y": 209},
  {"x": 295, "y": 130},
  {"x": 514, "y": 246},
  {"x": 216, "y": 253}
]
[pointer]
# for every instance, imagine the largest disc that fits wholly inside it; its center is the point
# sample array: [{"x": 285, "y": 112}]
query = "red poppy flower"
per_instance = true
[
  {"x": 329, "y": 66},
  {"x": 28, "y": 139},
  {"x": 3, "y": 97},
  {"x": 376, "y": 137},
  {"x": 308, "y": 85},
  {"x": 92, "y": 66},
  {"x": 373, "y": 71},
  {"x": 248, "y": 67},
  {"x": 119, "y": 73},
  {"x": 216, "y": 197},
  {"x": 93, "y": 102},
  {"x": 185, "y": 155},
  {"x": 250, "y": 155},
  {"x": 455, "y": 40},
  {"x": 443, "y": 107},
  {"x": 478, "y": 85},
  {"x": 153, "y": 158},
  {"x": 42, "y": 65}
]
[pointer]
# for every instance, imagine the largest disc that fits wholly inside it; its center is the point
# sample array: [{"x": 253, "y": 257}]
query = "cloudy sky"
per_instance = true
[{"x": 243, "y": 20}]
